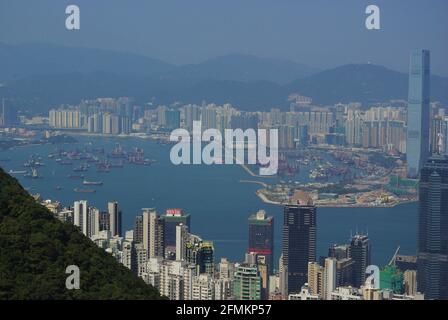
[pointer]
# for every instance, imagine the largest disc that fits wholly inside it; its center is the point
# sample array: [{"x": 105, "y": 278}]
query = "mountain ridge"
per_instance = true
[{"x": 244, "y": 87}]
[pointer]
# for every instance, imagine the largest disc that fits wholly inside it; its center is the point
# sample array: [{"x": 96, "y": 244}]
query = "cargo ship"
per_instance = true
[
  {"x": 78, "y": 190},
  {"x": 92, "y": 183}
]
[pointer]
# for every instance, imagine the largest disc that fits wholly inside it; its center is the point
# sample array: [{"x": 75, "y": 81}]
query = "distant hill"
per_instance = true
[
  {"x": 40, "y": 77},
  {"x": 21, "y": 61},
  {"x": 365, "y": 83},
  {"x": 244, "y": 68},
  {"x": 36, "y": 248}
]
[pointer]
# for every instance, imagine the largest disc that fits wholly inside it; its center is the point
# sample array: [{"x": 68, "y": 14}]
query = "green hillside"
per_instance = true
[{"x": 36, "y": 248}]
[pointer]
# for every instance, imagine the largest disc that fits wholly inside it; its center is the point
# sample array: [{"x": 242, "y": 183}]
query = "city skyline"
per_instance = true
[{"x": 244, "y": 152}]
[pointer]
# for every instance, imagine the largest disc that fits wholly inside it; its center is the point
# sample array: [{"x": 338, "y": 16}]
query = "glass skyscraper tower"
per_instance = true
[
  {"x": 299, "y": 241},
  {"x": 417, "y": 147},
  {"x": 432, "y": 270}
]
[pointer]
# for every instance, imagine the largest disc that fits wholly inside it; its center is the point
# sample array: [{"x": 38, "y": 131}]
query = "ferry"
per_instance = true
[
  {"x": 92, "y": 183},
  {"x": 84, "y": 190},
  {"x": 17, "y": 171}
]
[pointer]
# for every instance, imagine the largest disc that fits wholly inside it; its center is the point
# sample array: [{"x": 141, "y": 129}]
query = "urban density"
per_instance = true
[{"x": 87, "y": 181}]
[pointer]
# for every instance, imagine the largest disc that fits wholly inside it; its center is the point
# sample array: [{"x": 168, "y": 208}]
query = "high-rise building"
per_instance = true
[
  {"x": 316, "y": 275},
  {"x": 203, "y": 287},
  {"x": 360, "y": 254},
  {"x": 181, "y": 238},
  {"x": 344, "y": 268},
  {"x": 80, "y": 212},
  {"x": 330, "y": 279},
  {"x": 138, "y": 229},
  {"x": 192, "y": 113},
  {"x": 129, "y": 255},
  {"x": 94, "y": 222},
  {"x": 299, "y": 240},
  {"x": 339, "y": 251},
  {"x": 114, "y": 219},
  {"x": 171, "y": 219},
  {"x": 172, "y": 119},
  {"x": 410, "y": 282},
  {"x": 417, "y": 149},
  {"x": 153, "y": 238},
  {"x": 261, "y": 237},
  {"x": 208, "y": 118},
  {"x": 432, "y": 261},
  {"x": 8, "y": 114},
  {"x": 247, "y": 283},
  {"x": 439, "y": 135}
]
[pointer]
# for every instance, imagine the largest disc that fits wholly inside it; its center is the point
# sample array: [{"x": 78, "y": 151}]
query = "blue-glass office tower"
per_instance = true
[
  {"x": 417, "y": 147},
  {"x": 432, "y": 260}
]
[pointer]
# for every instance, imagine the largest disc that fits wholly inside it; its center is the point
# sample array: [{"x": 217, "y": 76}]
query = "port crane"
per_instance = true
[{"x": 392, "y": 261}]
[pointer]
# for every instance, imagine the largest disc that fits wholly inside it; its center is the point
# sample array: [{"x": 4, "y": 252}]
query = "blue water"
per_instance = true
[{"x": 218, "y": 202}]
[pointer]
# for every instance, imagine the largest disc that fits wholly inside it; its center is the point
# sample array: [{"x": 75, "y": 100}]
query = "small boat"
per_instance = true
[
  {"x": 17, "y": 171},
  {"x": 80, "y": 169},
  {"x": 78, "y": 190},
  {"x": 92, "y": 183}
]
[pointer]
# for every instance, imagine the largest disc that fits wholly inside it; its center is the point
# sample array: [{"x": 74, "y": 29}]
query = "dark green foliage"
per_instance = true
[{"x": 36, "y": 248}]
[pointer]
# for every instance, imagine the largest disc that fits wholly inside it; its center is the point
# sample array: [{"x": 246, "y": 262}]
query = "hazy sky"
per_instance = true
[{"x": 320, "y": 33}]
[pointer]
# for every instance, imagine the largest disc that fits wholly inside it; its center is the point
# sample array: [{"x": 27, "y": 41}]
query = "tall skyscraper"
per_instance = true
[
  {"x": 192, "y": 113},
  {"x": 138, "y": 229},
  {"x": 417, "y": 149},
  {"x": 208, "y": 118},
  {"x": 80, "y": 212},
  {"x": 316, "y": 275},
  {"x": 261, "y": 237},
  {"x": 299, "y": 240},
  {"x": 330, "y": 277},
  {"x": 432, "y": 261},
  {"x": 181, "y": 238},
  {"x": 153, "y": 238},
  {"x": 114, "y": 219},
  {"x": 360, "y": 253},
  {"x": 8, "y": 113},
  {"x": 94, "y": 222},
  {"x": 171, "y": 219}
]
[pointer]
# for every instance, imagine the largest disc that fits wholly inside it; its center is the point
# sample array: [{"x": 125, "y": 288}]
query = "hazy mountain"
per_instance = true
[
  {"x": 44, "y": 76},
  {"x": 365, "y": 83},
  {"x": 244, "y": 68},
  {"x": 20, "y": 61}
]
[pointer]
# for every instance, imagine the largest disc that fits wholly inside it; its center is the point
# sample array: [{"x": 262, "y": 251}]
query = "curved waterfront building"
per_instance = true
[{"x": 417, "y": 147}]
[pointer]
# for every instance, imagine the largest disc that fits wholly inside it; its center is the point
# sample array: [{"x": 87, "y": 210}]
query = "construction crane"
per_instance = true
[{"x": 394, "y": 257}]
